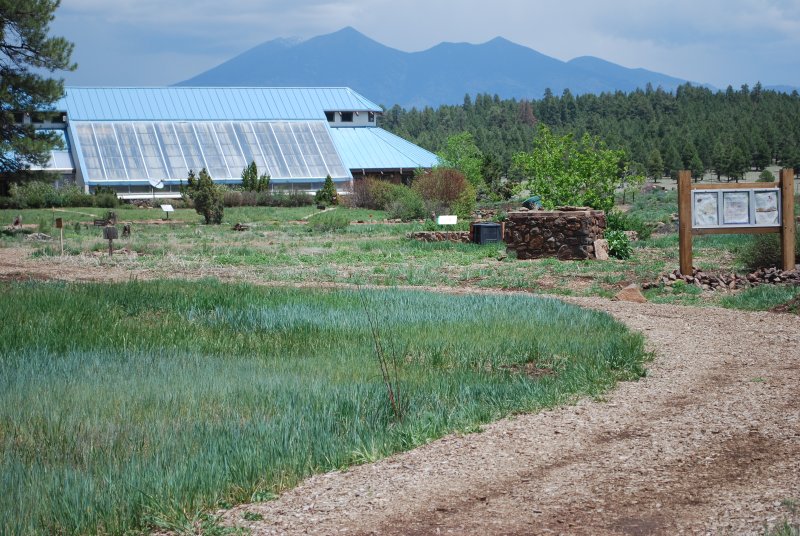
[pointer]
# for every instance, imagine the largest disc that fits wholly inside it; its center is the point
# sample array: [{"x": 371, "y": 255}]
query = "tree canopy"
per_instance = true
[
  {"x": 461, "y": 153},
  {"x": 26, "y": 51},
  {"x": 692, "y": 128},
  {"x": 565, "y": 171}
]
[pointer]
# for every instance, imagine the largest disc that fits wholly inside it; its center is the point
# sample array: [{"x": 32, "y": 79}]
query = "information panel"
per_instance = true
[{"x": 713, "y": 209}]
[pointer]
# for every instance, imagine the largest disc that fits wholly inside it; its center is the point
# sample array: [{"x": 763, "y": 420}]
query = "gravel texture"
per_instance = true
[{"x": 707, "y": 443}]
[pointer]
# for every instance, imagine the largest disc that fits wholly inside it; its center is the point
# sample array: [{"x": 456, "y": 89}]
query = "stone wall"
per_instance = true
[
  {"x": 441, "y": 236},
  {"x": 567, "y": 233}
]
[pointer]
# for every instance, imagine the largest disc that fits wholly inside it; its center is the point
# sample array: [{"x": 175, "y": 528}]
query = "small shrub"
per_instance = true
[
  {"x": 619, "y": 221},
  {"x": 361, "y": 196},
  {"x": 618, "y": 244},
  {"x": 106, "y": 201},
  {"x": 465, "y": 204},
  {"x": 105, "y": 198},
  {"x": 291, "y": 199},
  {"x": 766, "y": 176},
  {"x": 73, "y": 196},
  {"x": 443, "y": 188},
  {"x": 407, "y": 205},
  {"x": 334, "y": 220},
  {"x": 763, "y": 251},
  {"x": 45, "y": 225},
  {"x": 36, "y": 194},
  {"x": 233, "y": 199},
  {"x": 384, "y": 193}
]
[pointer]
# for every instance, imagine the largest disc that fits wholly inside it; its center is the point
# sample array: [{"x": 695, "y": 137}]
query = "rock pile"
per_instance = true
[
  {"x": 440, "y": 236},
  {"x": 38, "y": 237},
  {"x": 708, "y": 281}
]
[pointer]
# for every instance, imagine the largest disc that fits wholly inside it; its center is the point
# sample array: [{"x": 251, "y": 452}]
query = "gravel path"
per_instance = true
[{"x": 708, "y": 442}]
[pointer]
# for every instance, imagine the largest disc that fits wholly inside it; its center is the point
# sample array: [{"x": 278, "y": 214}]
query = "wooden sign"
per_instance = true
[
  {"x": 59, "y": 223},
  {"x": 746, "y": 208}
]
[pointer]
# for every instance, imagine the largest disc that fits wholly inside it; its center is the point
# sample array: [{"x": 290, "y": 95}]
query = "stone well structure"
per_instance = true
[{"x": 567, "y": 233}]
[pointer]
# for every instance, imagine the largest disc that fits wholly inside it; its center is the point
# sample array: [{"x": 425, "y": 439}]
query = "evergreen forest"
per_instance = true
[{"x": 722, "y": 132}]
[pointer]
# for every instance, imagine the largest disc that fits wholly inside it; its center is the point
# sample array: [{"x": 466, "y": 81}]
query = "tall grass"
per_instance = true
[{"x": 128, "y": 406}]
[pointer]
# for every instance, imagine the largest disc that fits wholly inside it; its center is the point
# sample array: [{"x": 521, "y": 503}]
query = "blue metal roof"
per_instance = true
[
  {"x": 372, "y": 148},
  {"x": 208, "y": 103}
]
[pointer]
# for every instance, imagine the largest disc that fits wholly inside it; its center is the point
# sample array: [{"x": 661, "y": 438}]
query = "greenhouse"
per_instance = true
[{"x": 144, "y": 141}]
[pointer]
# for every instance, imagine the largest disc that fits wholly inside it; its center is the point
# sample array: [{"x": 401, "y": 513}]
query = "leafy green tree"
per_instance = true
[
  {"x": 461, "y": 153},
  {"x": 564, "y": 171},
  {"x": 26, "y": 53},
  {"x": 206, "y": 196}
]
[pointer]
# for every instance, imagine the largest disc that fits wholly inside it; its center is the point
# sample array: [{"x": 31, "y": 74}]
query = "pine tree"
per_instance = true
[
  {"x": 206, "y": 195},
  {"x": 655, "y": 165},
  {"x": 250, "y": 177},
  {"x": 27, "y": 51},
  {"x": 327, "y": 195},
  {"x": 696, "y": 166},
  {"x": 263, "y": 183}
]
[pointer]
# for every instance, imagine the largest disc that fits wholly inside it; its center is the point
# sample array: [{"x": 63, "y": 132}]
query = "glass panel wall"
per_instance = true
[
  {"x": 290, "y": 149},
  {"x": 167, "y": 150},
  {"x": 151, "y": 152}
]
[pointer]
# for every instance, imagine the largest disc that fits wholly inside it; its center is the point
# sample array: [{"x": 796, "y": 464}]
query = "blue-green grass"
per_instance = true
[
  {"x": 121, "y": 404},
  {"x": 761, "y": 298}
]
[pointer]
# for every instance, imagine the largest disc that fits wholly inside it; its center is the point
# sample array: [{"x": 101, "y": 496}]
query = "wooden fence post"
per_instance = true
[
  {"x": 685, "y": 221},
  {"x": 787, "y": 219}
]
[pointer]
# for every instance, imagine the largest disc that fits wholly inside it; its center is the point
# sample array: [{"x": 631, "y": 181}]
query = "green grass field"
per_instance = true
[
  {"x": 126, "y": 407},
  {"x": 305, "y": 245}
]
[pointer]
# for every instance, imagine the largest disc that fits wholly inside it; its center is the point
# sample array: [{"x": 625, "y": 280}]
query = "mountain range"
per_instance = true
[{"x": 443, "y": 74}]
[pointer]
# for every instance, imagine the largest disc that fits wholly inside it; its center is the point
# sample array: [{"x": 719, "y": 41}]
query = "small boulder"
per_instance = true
[
  {"x": 631, "y": 293},
  {"x": 601, "y": 249},
  {"x": 633, "y": 236}
]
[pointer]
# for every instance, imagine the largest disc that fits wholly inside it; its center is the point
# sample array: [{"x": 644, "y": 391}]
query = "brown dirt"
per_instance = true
[{"x": 707, "y": 443}]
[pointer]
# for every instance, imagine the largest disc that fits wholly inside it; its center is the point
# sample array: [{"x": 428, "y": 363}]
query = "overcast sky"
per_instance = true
[{"x": 161, "y": 42}]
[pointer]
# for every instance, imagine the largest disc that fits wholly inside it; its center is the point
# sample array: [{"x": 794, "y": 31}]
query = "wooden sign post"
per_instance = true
[
  {"x": 744, "y": 208},
  {"x": 110, "y": 234},
  {"x": 60, "y": 227}
]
